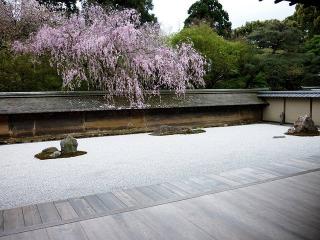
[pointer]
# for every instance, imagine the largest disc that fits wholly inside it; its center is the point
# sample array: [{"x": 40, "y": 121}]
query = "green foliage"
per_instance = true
[
  {"x": 248, "y": 74},
  {"x": 277, "y": 35},
  {"x": 279, "y": 61},
  {"x": 227, "y": 59},
  {"x": 282, "y": 71},
  {"x": 212, "y": 13},
  {"x": 281, "y": 55},
  {"x": 308, "y": 17},
  {"x": 247, "y": 29},
  {"x": 313, "y": 45},
  {"x": 292, "y": 63},
  {"x": 20, "y": 74},
  {"x": 275, "y": 71},
  {"x": 312, "y": 62}
]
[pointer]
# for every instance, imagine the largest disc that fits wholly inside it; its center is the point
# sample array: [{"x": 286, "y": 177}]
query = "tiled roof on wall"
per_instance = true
[
  {"x": 289, "y": 94},
  {"x": 20, "y": 103}
]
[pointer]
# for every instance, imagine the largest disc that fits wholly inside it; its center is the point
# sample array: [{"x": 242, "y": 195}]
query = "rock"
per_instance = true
[
  {"x": 50, "y": 150},
  {"x": 291, "y": 130},
  {"x": 69, "y": 145},
  {"x": 166, "y": 129},
  {"x": 304, "y": 126},
  {"x": 56, "y": 154},
  {"x": 69, "y": 148}
]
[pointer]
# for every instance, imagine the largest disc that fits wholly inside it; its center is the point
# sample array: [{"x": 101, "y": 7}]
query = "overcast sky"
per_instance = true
[{"x": 172, "y": 13}]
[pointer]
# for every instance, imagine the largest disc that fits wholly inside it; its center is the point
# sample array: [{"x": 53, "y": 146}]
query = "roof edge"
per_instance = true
[
  {"x": 101, "y": 93},
  {"x": 290, "y": 94}
]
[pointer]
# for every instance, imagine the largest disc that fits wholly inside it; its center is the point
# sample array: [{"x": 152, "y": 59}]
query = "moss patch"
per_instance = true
[
  {"x": 165, "y": 131},
  {"x": 305, "y": 134},
  {"x": 46, "y": 156}
]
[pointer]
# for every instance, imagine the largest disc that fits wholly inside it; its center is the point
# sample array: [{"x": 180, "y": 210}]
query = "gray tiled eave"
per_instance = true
[
  {"x": 54, "y": 103},
  {"x": 289, "y": 94}
]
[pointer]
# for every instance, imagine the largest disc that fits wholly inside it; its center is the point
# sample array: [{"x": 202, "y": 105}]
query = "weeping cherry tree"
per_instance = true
[{"x": 112, "y": 51}]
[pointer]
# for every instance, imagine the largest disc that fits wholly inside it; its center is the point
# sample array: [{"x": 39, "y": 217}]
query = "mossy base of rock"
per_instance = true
[
  {"x": 169, "y": 130},
  {"x": 304, "y": 134},
  {"x": 46, "y": 156}
]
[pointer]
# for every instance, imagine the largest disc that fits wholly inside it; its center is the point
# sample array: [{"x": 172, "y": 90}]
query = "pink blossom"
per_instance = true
[
  {"x": 20, "y": 18},
  {"x": 114, "y": 52}
]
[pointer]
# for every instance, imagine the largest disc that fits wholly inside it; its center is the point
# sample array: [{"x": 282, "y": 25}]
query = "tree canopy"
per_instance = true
[
  {"x": 22, "y": 74},
  {"x": 282, "y": 71},
  {"x": 276, "y": 54},
  {"x": 245, "y": 30},
  {"x": 224, "y": 57},
  {"x": 308, "y": 17},
  {"x": 212, "y": 13},
  {"x": 280, "y": 60},
  {"x": 312, "y": 61},
  {"x": 276, "y": 35}
]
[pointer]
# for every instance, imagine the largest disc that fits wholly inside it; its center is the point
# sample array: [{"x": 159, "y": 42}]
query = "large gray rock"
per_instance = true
[
  {"x": 69, "y": 145},
  {"x": 50, "y": 150},
  {"x": 304, "y": 125}
]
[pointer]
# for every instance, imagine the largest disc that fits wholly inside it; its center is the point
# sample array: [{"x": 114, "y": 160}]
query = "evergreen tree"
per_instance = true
[
  {"x": 212, "y": 13},
  {"x": 277, "y": 35},
  {"x": 308, "y": 17}
]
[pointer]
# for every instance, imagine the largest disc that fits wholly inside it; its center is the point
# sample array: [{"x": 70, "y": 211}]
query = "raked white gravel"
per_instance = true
[{"x": 117, "y": 162}]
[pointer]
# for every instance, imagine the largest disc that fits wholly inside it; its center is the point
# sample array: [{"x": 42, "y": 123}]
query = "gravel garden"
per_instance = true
[{"x": 119, "y": 162}]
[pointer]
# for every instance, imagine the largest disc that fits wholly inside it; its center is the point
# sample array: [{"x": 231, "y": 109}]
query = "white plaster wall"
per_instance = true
[
  {"x": 296, "y": 107},
  {"x": 273, "y": 111},
  {"x": 316, "y": 111}
]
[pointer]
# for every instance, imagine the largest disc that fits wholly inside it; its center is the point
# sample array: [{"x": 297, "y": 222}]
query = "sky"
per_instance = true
[{"x": 172, "y": 13}]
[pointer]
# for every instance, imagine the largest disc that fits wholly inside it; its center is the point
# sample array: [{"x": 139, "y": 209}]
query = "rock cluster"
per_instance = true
[
  {"x": 304, "y": 126},
  {"x": 69, "y": 148}
]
